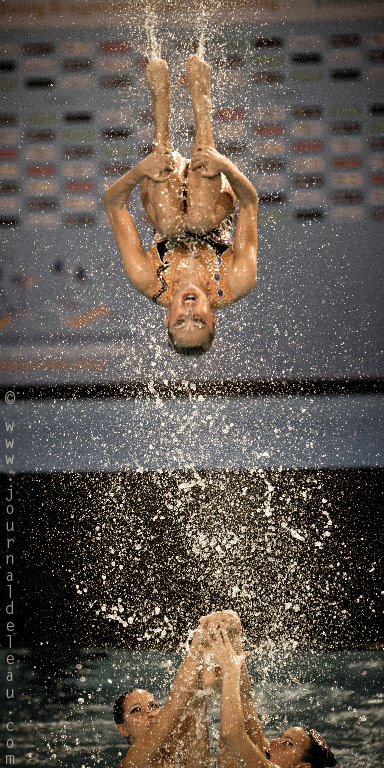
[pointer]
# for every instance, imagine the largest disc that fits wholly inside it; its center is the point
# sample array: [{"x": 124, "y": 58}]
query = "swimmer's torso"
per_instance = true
[{"x": 185, "y": 260}]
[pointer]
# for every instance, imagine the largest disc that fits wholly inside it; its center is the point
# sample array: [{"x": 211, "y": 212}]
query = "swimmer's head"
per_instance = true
[
  {"x": 318, "y": 752},
  {"x": 134, "y": 712},
  {"x": 190, "y": 321},
  {"x": 300, "y": 747}
]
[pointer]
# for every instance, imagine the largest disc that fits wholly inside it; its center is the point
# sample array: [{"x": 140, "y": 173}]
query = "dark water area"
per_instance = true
[{"x": 62, "y": 708}]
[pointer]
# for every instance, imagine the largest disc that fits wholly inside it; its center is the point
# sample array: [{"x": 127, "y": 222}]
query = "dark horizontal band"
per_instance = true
[{"x": 192, "y": 389}]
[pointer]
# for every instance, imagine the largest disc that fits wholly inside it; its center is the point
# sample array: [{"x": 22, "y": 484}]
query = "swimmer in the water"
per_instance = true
[
  {"x": 175, "y": 734},
  {"x": 192, "y": 267},
  {"x": 243, "y": 740}
]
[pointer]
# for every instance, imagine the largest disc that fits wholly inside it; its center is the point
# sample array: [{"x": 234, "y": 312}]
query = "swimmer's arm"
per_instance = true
[
  {"x": 242, "y": 276},
  {"x": 137, "y": 264},
  {"x": 194, "y": 736},
  {"x": 232, "y": 726},
  {"x": 243, "y": 269},
  {"x": 142, "y": 750},
  {"x": 242, "y": 187},
  {"x": 253, "y": 725}
]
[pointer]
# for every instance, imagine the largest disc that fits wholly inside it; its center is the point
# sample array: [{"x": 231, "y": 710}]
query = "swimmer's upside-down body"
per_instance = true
[
  {"x": 156, "y": 736},
  {"x": 190, "y": 204}
]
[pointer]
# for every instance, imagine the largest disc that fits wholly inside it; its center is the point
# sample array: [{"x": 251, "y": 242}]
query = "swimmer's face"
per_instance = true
[
  {"x": 140, "y": 712},
  {"x": 190, "y": 317},
  {"x": 288, "y": 749}
]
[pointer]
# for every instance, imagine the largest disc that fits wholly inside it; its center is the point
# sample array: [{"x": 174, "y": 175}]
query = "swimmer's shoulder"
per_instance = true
[
  {"x": 241, "y": 279},
  {"x": 143, "y": 276}
]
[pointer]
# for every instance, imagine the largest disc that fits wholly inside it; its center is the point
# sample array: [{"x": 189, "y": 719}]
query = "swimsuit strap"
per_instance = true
[{"x": 161, "y": 248}]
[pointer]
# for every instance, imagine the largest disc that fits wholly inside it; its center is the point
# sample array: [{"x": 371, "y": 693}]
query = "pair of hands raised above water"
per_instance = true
[
  {"x": 160, "y": 163},
  {"x": 218, "y": 640}
]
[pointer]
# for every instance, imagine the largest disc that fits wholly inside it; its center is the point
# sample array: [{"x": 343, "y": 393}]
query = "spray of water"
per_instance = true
[
  {"x": 153, "y": 44},
  {"x": 244, "y": 539},
  {"x": 202, "y": 35}
]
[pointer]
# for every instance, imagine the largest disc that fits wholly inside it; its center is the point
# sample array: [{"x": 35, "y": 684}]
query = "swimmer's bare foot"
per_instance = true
[
  {"x": 157, "y": 75},
  {"x": 198, "y": 78}
]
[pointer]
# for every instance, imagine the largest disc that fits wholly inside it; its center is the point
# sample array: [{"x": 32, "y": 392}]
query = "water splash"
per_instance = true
[
  {"x": 248, "y": 539},
  {"x": 201, "y": 45},
  {"x": 153, "y": 49}
]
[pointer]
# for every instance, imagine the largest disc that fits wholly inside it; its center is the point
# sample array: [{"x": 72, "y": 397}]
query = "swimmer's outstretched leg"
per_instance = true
[
  {"x": 209, "y": 200},
  {"x": 157, "y": 76},
  {"x": 163, "y": 202}
]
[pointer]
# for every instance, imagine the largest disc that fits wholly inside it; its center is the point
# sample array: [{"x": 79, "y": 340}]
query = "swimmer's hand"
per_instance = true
[
  {"x": 222, "y": 650},
  {"x": 209, "y": 160},
  {"x": 230, "y": 621},
  {"x": 157, "y": 165}
]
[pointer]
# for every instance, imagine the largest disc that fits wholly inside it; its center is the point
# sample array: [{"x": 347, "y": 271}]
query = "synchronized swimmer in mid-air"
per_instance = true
[
  {"x": 192, "y": 267},
  {"x": 177, "y": 734}
]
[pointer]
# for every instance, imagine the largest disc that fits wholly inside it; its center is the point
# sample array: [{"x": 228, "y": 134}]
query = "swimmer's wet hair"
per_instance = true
[
  {"x": 118, "y": 707},
  {"x": 191, "y": 351},
  {"x": 318, "y": 753}
]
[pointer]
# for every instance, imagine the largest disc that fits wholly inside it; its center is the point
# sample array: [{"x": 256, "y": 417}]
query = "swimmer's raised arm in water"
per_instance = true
[
  {"x": 230, "y": 620},
  {"x": 192, "y": 268},
  {"x": 156, "y": 735},
  {"x": 297, "y": 747}
]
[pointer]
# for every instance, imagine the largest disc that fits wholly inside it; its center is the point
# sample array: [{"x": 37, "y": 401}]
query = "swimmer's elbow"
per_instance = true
[
  {"x": 109, "y": 199},
  {"x": 113, "y": 199},
  {"x": 226, "y": 738},
  {"x": 252, "y": 206},
  {"x": 255, "y": 198},
  {"x": 250, "y": 201},
  {"x": 108, "y": 202}
]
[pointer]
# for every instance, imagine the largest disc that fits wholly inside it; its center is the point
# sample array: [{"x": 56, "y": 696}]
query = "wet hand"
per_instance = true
[
  {"x": 157, "y": 166},
  {"x": 222, "y": 650},
  {"x": 229, "y": 620},
  {"x": 226, "y": 617},
  {"x": 209, "y": 160}
]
